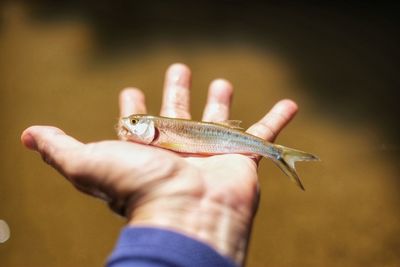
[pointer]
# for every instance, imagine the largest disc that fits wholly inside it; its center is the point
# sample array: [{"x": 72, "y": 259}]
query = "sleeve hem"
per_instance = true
[{"x": 166, "y": 247}]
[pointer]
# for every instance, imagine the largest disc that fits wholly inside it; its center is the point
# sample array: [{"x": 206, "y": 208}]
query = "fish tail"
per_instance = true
[{"x": 285, "y": 159}]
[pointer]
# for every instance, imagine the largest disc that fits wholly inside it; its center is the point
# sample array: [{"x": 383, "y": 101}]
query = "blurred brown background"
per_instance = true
[{"x": 63, "y": 63}]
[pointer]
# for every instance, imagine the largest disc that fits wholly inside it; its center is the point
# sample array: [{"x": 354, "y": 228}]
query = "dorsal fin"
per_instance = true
[{"x": 234, "y": 124}]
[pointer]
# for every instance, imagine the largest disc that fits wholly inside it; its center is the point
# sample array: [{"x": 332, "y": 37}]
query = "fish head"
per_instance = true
[{"x": 137, "y": 128}]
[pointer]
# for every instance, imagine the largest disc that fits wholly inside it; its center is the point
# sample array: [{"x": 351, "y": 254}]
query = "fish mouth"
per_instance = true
[{"x": 122, "y": 131}]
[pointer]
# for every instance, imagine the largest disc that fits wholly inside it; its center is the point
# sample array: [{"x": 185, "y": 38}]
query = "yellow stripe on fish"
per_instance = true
[{"x": 196, "y": 137}]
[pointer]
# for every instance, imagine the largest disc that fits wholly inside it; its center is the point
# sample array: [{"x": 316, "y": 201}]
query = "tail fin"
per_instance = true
[{"x": 286, "y": 160}]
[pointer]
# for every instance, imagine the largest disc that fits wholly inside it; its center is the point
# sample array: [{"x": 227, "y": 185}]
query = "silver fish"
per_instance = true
[{"x": 188, "y": 136}]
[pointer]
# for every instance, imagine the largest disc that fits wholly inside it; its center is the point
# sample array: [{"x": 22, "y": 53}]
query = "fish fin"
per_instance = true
[
  {"x": 287, "y": 158},
  {"x": 234, "y": 124}
]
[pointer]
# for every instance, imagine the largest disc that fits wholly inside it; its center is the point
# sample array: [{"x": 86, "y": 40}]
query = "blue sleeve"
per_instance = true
[{"x": 153, "y": 247}]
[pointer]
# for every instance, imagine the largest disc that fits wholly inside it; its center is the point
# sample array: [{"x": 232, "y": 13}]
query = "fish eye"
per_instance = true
[{"x": 134, "y": 121}]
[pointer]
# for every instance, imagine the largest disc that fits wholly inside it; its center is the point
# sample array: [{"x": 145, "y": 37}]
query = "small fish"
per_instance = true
[{"x": 188, "y": 136}]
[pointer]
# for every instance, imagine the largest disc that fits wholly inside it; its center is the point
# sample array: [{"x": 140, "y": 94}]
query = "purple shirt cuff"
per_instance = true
[{"x": 154, "y": 247}]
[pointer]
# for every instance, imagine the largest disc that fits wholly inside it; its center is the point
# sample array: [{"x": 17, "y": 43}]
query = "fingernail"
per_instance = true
[{"x": 29, "y": 142}]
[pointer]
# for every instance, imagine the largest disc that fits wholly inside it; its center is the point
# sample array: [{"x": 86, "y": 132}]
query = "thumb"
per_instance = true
[{"x": 53, "y": 144}]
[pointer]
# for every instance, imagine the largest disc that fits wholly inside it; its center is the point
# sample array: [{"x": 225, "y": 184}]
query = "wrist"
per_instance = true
[{"x": 221, "y": 225}]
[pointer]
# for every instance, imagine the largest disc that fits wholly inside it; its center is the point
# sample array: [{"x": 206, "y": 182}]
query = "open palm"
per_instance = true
[{"x": 152, "y": 186}]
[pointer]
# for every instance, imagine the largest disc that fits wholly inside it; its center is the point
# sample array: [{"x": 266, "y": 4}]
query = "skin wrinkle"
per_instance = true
[
  {"x": 219, "y": 100},
  {"x": 211, "y": 226},
  {"x": 278, "y": 114},
  {"x": 260, "y": 129},
  {"x": 224, "y": 220},
  {"x": 216, "y": 112},
  {"x": 51, "y": 155},
  {"x": 158, "y": 186},
  {"x": 209, "y": 198},
  {"x": 275, "y": 117},
  {"x": 177, "y": 102},
  {"x": 46, "y": 150},
  {"x": 94, "y": 163},
  {"x": 176, "y": 91}
]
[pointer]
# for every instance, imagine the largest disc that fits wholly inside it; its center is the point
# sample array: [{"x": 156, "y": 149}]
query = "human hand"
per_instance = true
[{"x": 212, "y": 199}]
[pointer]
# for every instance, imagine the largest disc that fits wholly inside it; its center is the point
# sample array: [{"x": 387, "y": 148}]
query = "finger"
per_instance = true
[
  {"x": 176, "y": 96},
  {"x": 131, "y": 101},
  {"x": 55, "y": 147},
  {"x": 219, "y": 101},
  {"x": 70, "y": 157},
  {"x": 275, "y": 120}
]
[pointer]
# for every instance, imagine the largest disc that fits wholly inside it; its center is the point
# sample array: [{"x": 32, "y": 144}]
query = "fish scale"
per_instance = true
[
  {"x": 196, "y": 137},
  {"x": 213, "y": 139}
]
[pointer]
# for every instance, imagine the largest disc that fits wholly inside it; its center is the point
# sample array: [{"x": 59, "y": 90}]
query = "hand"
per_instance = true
[{"x": 212, "y": 199}]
